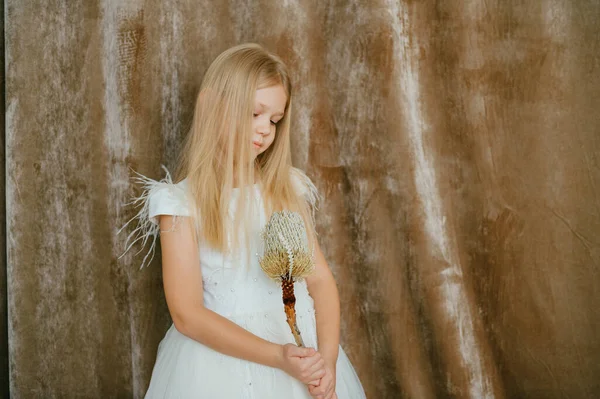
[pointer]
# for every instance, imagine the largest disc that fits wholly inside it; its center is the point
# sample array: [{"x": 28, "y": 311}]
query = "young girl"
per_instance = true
[{"x": 229, "y": 337}]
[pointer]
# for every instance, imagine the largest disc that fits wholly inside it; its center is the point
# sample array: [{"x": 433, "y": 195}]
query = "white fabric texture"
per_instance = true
[{"x": 241, "y": 292}]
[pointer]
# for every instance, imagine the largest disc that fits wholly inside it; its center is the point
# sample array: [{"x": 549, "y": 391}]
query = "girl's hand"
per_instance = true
[
  {"x": 304, "y": 364},
  {"x": 326, "y": 387}
]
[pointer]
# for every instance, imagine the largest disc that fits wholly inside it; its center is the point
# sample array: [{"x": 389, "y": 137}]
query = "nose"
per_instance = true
[{"x": 264, "y": 128}]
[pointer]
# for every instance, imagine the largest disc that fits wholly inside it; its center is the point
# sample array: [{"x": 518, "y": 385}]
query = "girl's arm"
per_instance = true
[
  {"x": 182, "y": 281},
  {"x": 323, "y": 290}
]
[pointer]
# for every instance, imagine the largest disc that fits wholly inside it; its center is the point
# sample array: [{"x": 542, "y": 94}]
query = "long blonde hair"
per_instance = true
[{"x": 218, "y": 150}]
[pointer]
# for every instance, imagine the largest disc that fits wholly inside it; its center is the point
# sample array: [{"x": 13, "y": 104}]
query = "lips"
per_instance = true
[{"x": 257, "y": 144}]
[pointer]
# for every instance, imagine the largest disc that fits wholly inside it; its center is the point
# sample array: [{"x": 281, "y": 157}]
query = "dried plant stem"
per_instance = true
[{"x": 289, "y": 303}]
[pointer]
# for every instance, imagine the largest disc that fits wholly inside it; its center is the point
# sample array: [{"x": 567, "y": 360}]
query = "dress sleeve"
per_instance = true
[
  {"x": 157, "y": 198},
  {"x": 166, "y": 199}
]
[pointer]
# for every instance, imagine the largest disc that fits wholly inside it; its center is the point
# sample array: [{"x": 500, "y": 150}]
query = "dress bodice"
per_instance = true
[{"x": 233, "y": 283}]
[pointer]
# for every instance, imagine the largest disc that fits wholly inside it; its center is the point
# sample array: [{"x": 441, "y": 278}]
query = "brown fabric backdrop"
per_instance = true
[{"x": 456, "y": 144}]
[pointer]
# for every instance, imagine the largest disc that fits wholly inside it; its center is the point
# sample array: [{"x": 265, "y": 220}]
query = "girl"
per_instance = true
[{"x": 229, "y": 337}]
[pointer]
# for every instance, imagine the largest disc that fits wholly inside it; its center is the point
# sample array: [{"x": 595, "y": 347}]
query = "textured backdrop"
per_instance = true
[{"x": 456, "y": 144}]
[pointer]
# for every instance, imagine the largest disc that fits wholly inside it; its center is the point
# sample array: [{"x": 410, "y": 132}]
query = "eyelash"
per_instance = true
[{"x": 273, "y": 123}]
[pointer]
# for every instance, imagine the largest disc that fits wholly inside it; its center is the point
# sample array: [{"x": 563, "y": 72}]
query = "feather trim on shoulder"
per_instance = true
[
  {"x": 306, "y": 187},
  {"x": 146, "y": 229}
]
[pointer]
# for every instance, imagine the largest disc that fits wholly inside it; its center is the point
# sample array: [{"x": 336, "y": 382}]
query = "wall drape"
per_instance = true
[{"x": 456, "y": 145}]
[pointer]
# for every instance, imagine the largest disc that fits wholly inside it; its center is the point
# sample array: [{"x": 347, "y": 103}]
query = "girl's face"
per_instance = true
[{"x": 269, "y": 107}]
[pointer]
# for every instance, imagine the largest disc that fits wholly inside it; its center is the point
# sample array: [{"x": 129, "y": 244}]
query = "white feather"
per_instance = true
[
  {"x": 305, "y": 187},
  {"x": 146, "y": 230}
]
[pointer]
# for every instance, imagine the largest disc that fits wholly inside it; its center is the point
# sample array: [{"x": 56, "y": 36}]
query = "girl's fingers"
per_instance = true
[
  {"x": 314, "y": 383},
  {"x": 320, "y": 365},
  {"x": 315, "y": 392},
  {"x": 311, "y": 363},
  {"x": 316, "y": 375},
  {"x": 315, "y": 371},
  {"x": 314, "y": 359},
  {"x": 321, "y": 391},
  {"x": 329, "y": 389},
  {"x": 329, "y": 393}
]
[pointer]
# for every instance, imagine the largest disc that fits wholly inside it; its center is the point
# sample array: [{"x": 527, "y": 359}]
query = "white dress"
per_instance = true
[{"x": 242, "y": 293}]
